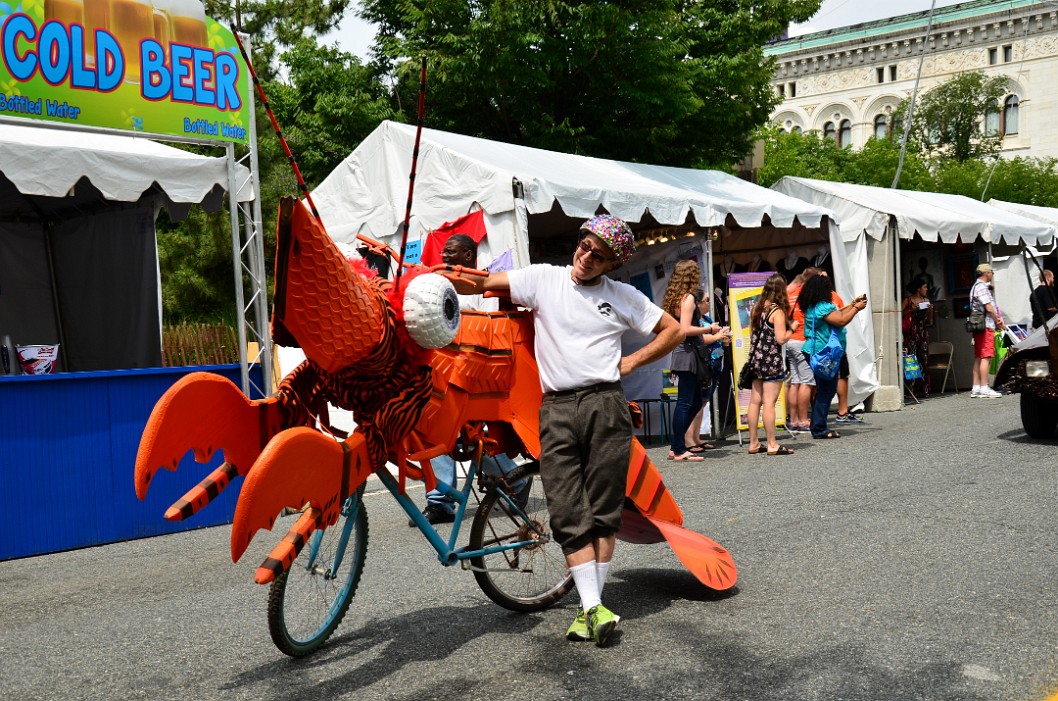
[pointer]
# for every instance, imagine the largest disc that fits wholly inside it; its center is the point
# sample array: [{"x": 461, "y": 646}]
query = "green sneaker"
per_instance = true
[
  {"x": 601, "y": 622},
  {"x": 578, "y": 631}
]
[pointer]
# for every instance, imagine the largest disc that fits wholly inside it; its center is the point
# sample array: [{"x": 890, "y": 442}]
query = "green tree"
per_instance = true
[
  {"x": 875, "y": 164},
  {"x": 326, "y": 106},
  {"x": 274, "y": 25},
  {"x": 805, "y": 155},
  {"x": 1024, "y": 180},
  {"x": 947, "y": 122},
  {"x": 676, "y": 82}
]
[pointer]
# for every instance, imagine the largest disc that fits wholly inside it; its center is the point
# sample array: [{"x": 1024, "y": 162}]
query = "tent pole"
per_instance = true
[
  {"x": 54, "y": 293},
  {"x": 895, "y": 235}
]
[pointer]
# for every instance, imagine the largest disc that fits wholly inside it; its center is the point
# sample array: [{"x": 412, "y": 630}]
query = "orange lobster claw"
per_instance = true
[
  {"x": 298, "y": 467},
  {"x": 204, "y": 413}
]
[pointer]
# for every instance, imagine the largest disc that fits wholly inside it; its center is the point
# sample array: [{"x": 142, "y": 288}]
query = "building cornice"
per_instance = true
[{"x": 980, "y": 23}]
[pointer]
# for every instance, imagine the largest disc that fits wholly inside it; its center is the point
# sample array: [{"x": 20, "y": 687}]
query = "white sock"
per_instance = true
[
  {"x": 976, "y": 389},
  {"x": 602, "y": 569},
  {"x": 587, "y": 583}
]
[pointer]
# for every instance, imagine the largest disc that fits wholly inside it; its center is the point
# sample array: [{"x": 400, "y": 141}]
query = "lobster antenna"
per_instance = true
[
  {"x": 414, "y": 162},
  {"x": 275, "y": 125}
]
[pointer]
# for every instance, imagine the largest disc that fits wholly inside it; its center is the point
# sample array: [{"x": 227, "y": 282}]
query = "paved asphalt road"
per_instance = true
[{"x": 915, "y": 558}]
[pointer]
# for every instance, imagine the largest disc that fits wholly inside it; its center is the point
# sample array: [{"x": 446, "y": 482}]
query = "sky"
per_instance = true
[{"x": 354, "y": 35}]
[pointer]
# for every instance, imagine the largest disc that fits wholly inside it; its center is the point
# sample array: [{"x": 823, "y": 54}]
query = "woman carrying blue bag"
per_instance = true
[{"x": 823, "y": 320}]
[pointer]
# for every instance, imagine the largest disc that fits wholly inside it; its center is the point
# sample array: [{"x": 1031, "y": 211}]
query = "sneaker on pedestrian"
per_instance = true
[
  {"x": 843, "y": 419},
  {"x": 975, "y": 392},
  {"x": 578, "y": 630},
  {"x": 601, "y": 623},
  {"x": 989, "y": 393}
]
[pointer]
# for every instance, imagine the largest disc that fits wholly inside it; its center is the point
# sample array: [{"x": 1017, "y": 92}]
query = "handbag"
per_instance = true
[
  {"x": 975, "y": 323},
  {"x": 704, "y": 364},
  {"x": 745, "y": 377},
  {"x": 826, "y": 361}
]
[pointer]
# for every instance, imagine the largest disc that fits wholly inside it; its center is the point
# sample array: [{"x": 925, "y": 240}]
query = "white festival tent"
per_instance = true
[
  {"x": 864, "y": 211},
  {"x": 531, "y": 197},
  {"x": 1010, "y": 270},
  {"x": 78, "y": 258}
]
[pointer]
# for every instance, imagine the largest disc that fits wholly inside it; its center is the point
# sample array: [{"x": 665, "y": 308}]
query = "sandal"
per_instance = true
[
  {"x": 828, "y": 434},
  {"x": 700, "y": 448},
  {"x": 687, "y": 457},
  {"x": 781, "y": 450},
  {"x": 759, "y": 449}
]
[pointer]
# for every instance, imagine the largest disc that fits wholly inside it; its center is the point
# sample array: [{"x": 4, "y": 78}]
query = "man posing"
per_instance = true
[{"x": 579, "y": 315}]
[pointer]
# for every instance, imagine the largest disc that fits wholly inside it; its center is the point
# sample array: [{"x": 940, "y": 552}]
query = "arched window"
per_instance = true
[
  {"x": 1010, "y": 115},
  {"x": 795, "y": 129},
  {"x": 828, "y": 130},
  {"x": 881, "y": 127},
  {"x": 845, "y": 135},
  {"x": 992, "y": 121}
]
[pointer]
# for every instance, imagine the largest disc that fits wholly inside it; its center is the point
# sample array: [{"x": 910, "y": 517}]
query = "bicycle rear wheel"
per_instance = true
[
  {"x": 528, "y": 578},
  {"x": 308, "y": 601}
]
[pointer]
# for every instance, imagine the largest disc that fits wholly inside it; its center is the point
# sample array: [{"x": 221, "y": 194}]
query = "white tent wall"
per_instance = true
[
  {"x": 865, "y": 212},
  {"x": 1013, "y": 285}
]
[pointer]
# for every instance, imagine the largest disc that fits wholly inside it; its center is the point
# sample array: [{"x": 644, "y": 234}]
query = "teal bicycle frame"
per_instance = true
[{"x": 446, "y": 551}]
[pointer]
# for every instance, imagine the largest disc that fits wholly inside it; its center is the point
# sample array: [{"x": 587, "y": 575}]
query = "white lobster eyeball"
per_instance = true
[{"x": 431, "y": 310}]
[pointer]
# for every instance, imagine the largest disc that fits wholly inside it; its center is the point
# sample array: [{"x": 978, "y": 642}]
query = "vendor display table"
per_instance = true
[{"x": 67, "y": 449}]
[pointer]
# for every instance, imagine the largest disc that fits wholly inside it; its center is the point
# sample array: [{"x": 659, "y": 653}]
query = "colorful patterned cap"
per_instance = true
[{"x": 614, "y": 233}]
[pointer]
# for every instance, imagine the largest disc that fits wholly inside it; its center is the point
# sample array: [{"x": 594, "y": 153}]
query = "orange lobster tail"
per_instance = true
[{"x": 651, "y": 515}]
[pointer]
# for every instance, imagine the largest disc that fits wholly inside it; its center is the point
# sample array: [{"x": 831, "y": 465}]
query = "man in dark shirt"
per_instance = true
[{"x": 1043, "y": 302}]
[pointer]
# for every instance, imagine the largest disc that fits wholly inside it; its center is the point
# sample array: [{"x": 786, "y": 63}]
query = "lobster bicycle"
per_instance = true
[{"x": 510, "y": 552}]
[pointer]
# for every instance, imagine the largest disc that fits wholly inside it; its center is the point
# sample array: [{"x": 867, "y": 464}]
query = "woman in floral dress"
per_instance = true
[{"x": 771, "y": 328}]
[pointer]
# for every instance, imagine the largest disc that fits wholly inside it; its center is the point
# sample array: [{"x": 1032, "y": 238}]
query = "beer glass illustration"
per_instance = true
[
  {"x": 95, "y": 17},
  {"x": 66, "y": 11},
  {"x": 131, "y": 21},
  {"x": 186, "y": 21}
]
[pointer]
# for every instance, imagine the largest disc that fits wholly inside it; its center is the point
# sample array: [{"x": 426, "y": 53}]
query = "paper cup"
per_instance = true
[{"x": 38, "y": 360}]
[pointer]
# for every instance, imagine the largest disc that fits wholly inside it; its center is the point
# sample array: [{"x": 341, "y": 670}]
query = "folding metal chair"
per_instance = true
[{"x": 939, "y": 360}]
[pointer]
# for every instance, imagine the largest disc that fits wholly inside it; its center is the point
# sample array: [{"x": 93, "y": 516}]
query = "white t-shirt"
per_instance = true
[{"x": 579, "y": 328}]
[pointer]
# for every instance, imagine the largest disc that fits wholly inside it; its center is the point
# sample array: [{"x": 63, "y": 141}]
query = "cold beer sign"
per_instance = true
[{"x": 157, "y": 66}]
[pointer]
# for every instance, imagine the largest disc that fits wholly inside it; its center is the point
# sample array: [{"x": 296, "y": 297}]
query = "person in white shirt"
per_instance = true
[
  {"x": 579, "y": 315},
  {"x": 981, "y": 299}
]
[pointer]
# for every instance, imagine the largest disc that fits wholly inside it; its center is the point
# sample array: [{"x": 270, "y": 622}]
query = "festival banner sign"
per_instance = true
[
  {"x": 155, "y": 66},
  {"x": 744, "y": 289}
]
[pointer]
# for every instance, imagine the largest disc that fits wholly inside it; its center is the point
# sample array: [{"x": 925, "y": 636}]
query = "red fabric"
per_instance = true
[{"x": 473, "y": 225}]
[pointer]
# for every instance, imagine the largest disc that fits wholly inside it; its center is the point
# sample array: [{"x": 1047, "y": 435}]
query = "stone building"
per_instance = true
[{"x": 845, "y": 82}]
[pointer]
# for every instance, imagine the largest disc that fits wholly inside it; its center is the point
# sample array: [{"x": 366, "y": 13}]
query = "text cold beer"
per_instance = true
[{"x": 185, "y": 74}]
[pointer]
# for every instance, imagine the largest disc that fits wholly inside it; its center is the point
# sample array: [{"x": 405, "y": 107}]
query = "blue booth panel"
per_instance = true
[{"x": 68, "y": 447}]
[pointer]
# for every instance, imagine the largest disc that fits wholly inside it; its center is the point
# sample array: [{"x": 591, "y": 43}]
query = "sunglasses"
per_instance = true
[{"x": 593, "y": 252}]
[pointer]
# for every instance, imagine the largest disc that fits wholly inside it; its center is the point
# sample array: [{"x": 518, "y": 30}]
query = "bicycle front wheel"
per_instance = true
[
  {"x": 308, "y": 601},
  {"x": 528, "y": 578}
]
